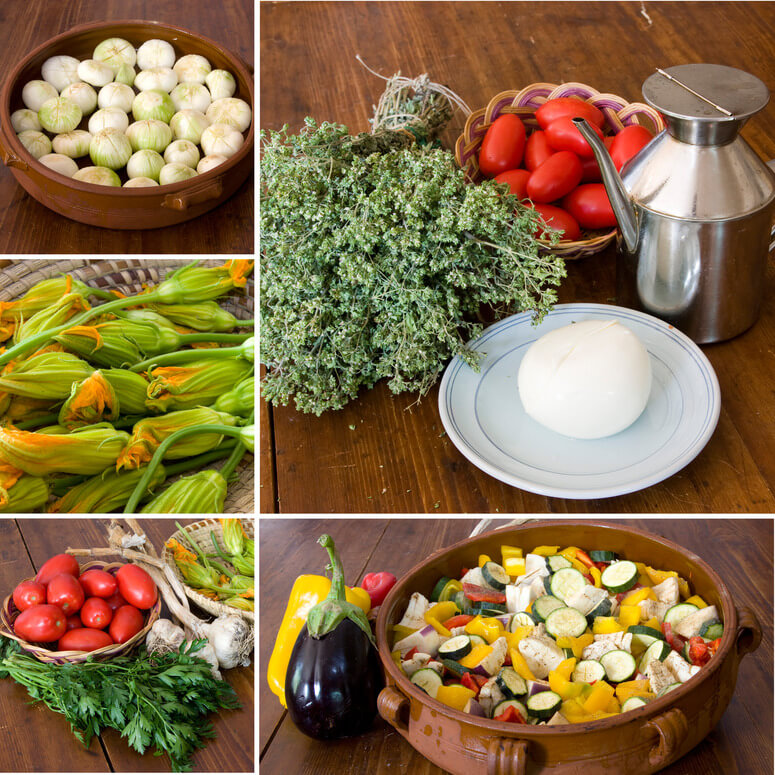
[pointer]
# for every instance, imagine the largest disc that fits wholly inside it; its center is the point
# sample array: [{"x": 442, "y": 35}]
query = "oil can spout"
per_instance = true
[{"x": 620, "y": 199}]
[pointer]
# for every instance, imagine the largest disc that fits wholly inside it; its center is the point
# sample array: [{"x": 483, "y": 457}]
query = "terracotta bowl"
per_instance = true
[
  {"x": 640, "y": 741},
  {"x": 123, "y": 208}
]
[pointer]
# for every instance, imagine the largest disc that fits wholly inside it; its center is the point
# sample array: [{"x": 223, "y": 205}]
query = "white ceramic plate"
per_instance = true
[{"x": 483, "y": 415}]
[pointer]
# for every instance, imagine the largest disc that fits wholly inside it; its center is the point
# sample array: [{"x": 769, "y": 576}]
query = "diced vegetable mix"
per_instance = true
[{"x": 555, "y": 636}]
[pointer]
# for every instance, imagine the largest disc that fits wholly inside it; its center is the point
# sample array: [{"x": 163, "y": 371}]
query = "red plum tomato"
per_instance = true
[
  {"x": 590, "y": 206},
  {"x": 503, "y": 145},
  {"x": 65, "y": 591},
  {"x": 517, "y": 180},
  {"x": 41, "y": 624},
  {"x": 559, "y": 219},
  {"x": 627, "y": 143},
  {"x": 74, "y": 622},
  {"x": 96, "y": 613},
  {"x": 136, "y": 586},
  {"x": 537, "y": 150},
  {"x": 28, "y": 594},
  {"x": 563, "y": 135},
  {"x": 84, "y": 639},
  {"x": 557, "y": 176},
  {"x": 60, "y": 563},
  {"x": 568, "y": 107},
  {"x": 590, "y": 171},
  {"x": 115, "y": 601},
  {"x": 98, "y": 583},
  {"x": 127, "y": 622}
]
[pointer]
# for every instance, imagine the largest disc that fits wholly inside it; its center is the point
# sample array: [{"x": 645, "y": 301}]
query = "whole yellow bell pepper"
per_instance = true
[{"x": 308, "y": 590}]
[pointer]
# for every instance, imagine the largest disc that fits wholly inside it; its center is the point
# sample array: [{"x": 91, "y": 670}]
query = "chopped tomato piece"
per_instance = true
[{"x": 698, "y": 651}]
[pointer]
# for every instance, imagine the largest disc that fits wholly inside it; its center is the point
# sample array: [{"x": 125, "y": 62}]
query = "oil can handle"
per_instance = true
[
  {"x": 393, "y": 706},
  {"x": 749, "y": 632},
  {"x": 506, "y": 756},
  {"x": 672, "y": 728}
]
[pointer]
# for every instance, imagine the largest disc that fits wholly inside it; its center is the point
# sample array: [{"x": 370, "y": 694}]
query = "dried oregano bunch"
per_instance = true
[{"x": 376, "y": 255}]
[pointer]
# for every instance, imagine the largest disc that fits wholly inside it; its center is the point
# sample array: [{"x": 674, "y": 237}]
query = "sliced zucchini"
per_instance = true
[
  {"x": 643, "y": 635},
  {"x": 619, "y": 576},
  {"x": 712, "y": 629},
  {"x": 523, "y": 619},
  {"x": 544, "y": 605},
  {"x": 588, "y": 671},
  {"x": 568, "y": 653},
  {"x": 603, "y": 608},
  {"x": 619, "y": 665},
  {"x": 428, "y": 680},
  {"x": 633, "y": 703},
  {"x": 602, "y": 555},
  {"x": 548, "y": 584},
  {"x": 477, "y": 640},
  {"x": 567, "y": 583},
  {"x": 659, "y": 649},
  {"x": 557, "y": 562},
  {"x": 679, "y": 611},
  {"x": 454, "y": 667},
  {"x": 668, "y": 688},
  {"x": 511, "y": 683},
  {"x": 504, "y": 705},
  {"x": 486, "y": 608},
  {"x": 456, "y": 648},
  {"x": 565, "y": 622},
  {"x": 495, "y": 575},
  {"x": 461, "y": 601},
  {"x": 440, "y": 584},
  {"x": 544, "y": 704}
]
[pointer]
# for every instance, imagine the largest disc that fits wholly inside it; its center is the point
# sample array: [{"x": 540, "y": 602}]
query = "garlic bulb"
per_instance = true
[
  {"x": 94, "y": 72},
  {"x": 221, "y": 139},
  {"x": 161, "y": 78},
  {"x": 73, "y": 144},
  {"x": 150, "y": 134},
  {"x": 60, "y": 71},
  {"x": 155, "y": 53},
  {"x": 208, "y": 163},
  {"x": 182, "y": 152},
  {"x": 232, "y": 111},
  {"x": 153, "y": 104},
  {"x": 191, "y": 96},
  {"x": 192, "y": 67},
  {"x": 59, "y": 115},
  {"x": 221, "y": 84},
  {"x": 24, "y": 118},
  {"x": 83, "y": 95},
  {"x": 116, "y": 95},
  {"x": 115, "y": 52},
  {"x": 100, "y": 176},
  {"x": 174, "y": 173},
  {"x": 64, "y": 165},
  {"x": 145, "y": 164},
  {"x": 207, "y": 652},
  {"x": 35, "y": 93},
  {"x": 36, "y": 143},
  {"x": 140, "y": 182},
  {"x": 108, "y": 118},
  {"x": 110, "y": 148},
  {"x": 232, "y": 639},
  {"x": 163, "y": 637}
]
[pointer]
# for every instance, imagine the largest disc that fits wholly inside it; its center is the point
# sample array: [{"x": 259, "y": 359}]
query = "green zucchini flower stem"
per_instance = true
[{"x": 185, "y": 356}]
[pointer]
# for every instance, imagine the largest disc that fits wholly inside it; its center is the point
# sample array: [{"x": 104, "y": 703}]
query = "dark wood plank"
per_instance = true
[
  {"x": 28, "y": 227},
  {"x": 739, "y": 550},
  {"x": 397, "y": 458}
]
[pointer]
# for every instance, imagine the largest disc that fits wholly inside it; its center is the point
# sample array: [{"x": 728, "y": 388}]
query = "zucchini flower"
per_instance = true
[
  {"x": 233, "y": 535},
  {"x": 104, "y": 492},
  {"x": 54, "y": 315},
  {"x": 131, "y": 390},
  {"x": 148, "y": 434},
  {"x": 204, "y": 316},
  {"x": 24, "y": 408},
  {"x": 47, "y": 376},
  {"x": 29, "y": 494},
  {"x": 43, "y": 295},
  {"x": 192, "y": 283},
  {"x": 9, "y": 475},
  {"x": 88, "y": 450},
  {"x": 198, "y": 383},
  {"x": 243, "y": 604},
  {"x": 91, "y": 401},
  {"x": 201, "y": 493},
  {"x": 7, "y": 328},
  {"x": 240, "y": 400}
]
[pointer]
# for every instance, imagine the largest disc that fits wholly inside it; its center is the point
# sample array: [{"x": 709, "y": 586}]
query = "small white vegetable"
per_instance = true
[
  {"x": 140, "y": 183},
  {"x": 59, "y": 115},
  {"x": 222, "y": 139},
  {"x": 110, "y": 148},
  {"x": 125, "y": 75},
  {"x": 153, "y": 104},
  {"x": 231, "y": 111},
  {"x": 36, "y": 143},
  {"x": 149, "y": 134},
  {"x": 94, "y": 72},
  {"x": 162, "y": 78},
  {"x": 192, "y": 67},
  {"x": 116, "y": 95},
  {"x": 182, "y": 152},
  {"x": 232, "y": 640},
  {"x": 144, "y": 164},
  {"x": 100, "y": 176},
  {"x": 73, "y": 144},
  {"x": 155, "y": 53},
  {"x": 83, "y": 95},
  {"x": 221, "y": 84},
  {"x": 24, "y": 118},
  {"x": 188, "y": 125},
  {"x": 191, "y": 96},
  {"x": 207, "y": 652},
  {"x": 210, "y": 162},
  {"x": 174, "y": 173},
  {"x": 60, "y": 71},
  {"x": 163, "y": 637},
  {"x": 35, "y": 93},
  {"x": 64, "y": 165},
  {"x": 108, "y": 118},
  {"x": 115, "y": 52}
]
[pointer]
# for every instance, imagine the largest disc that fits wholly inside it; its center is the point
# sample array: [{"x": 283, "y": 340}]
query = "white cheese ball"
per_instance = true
[{"x": 587, "y": 380}]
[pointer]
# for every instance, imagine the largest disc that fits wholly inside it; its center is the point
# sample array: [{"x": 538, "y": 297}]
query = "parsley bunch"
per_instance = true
[
  {"x": 159, "y": 700},
  {"x": 376, "y": 257}
]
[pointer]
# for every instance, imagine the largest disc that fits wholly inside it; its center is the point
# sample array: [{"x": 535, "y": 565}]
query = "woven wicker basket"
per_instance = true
[
  {"x": 9, "y": 612},
  {"x": 618, "y": 114},
  {"x": 199, "y": 532},
  {"x": 129, "y": 275}
]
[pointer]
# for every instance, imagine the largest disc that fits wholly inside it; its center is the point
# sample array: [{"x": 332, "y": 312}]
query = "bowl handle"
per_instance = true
[
  {"x": 506, "y": 756},
  {"x": 672, "y": 729},
  {"x": 10, "y": 159},
  {"x": 393, "y": 706},
  {"x": 749, "y": 632},
  {"x": 195, "y": 195}
]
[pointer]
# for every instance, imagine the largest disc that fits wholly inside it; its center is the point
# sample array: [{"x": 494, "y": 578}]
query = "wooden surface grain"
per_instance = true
[
  {"x": 397, "y": 458},
  {"x": 739, "y": 550},
  {"x": 35, "y": 739},
  {"x": 28, "y": 227}
]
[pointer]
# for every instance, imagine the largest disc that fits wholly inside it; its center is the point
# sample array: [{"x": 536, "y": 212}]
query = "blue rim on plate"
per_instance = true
[{"x": 484, "y": 418}]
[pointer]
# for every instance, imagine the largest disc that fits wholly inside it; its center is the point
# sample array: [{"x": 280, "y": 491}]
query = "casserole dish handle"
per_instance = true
[
  {"x": 393, "y": 706},
  {"x": 195, "y": 195},
  {"x": 749, "y": 632},
  {"x": 672, "y": 728},
  {"x": 10, "y": 159},
  {"x": 506, "y": 756}
]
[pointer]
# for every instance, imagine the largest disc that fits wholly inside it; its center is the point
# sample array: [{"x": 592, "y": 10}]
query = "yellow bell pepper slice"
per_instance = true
[
  {"x": 454, "y": 696},
  {"x": 638, "y": 596},
  {"x": 653, "y": 623},
  {"x": 698, "y": 601},
  {"x": 644, "y": 580},
  {"x": 488, "y": 628},
  {"x": 510, "y": 551},
  {"x": 545, "y": 551},
  {"x": 476, "y": 655},
  {"x": 596, "y": 576},
  {"x": 442, "y": 611},
  {"x": 658, "y": 576},
  {"x": 566, "y": 689},
  {"x": 520, "y": 665},
  {"x": 400, "y": 631},
  {"x": 569, "y": 552},
  {"x": 573, "y": 710},
  {"x": 438, "y": 626},
  {"x": 613, "y": 706},
  {"x": 628, "y": 689},
  {"x": 565, "y": 668},
  {"x": 599, "y": 698},
  {"x": 520, "y": 632},
  {"x": 629, "y": 615},
  {"x": 514, "y": 566},
  {"x": 576, "y": 644},
  {"x": 483, "y": 558},
  {"x": 605, "y": 625}
]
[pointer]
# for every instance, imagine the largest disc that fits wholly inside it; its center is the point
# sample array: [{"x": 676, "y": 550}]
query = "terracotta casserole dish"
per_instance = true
[
  {"x": 123, "y": 208},
  {"x": 640, "y": 741}
]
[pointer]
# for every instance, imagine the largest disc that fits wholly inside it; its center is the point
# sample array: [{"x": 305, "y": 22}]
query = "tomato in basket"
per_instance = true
[
  {"x": 568, "y": 107},
  {"x": 590, "y": 206},
  {"x": 98, "y": 583},
  {"x": 96, "y": 613},
  {"x": 517, "y": 181},
  {"x": 557, "y": 218},
  {"x": 84, "y": 639},
  {"x": 60, "y": 563},
  {"x": 537, "y": 150},
  {"x": 41, "y": 624},
  {"x": 66, "y": 592},
  {"x": 627, "y": 143},
  {"x": 136, "y": 586},
  {"x": 564, "y": 135},
  {"x": 555, "y": 178},
  {"x": 127, "y": 622},
  {"x": 503, "y": 145},
  {"x": 28, "y": 594}
]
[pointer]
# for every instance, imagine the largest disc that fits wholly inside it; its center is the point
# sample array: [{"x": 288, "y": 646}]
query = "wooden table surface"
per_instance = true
[
  {"x": 383, "y": 453},
  {"x": 27, "y": 226},
  {"x": 34, "y": 738},
  {"x": 740, "y": 551}
]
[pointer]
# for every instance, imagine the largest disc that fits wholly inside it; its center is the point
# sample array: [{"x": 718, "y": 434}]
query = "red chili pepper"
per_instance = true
[
  {"x": 461, "y": 620},
  {"x": 698, "y": 651},
  {"x": 476, "y": 593},
  {"x": 378, "y": 585},
  {"x": 584, "y": 558},
  {"x": 409, "y": 654},
  {"x": 510, "y": 714}
]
